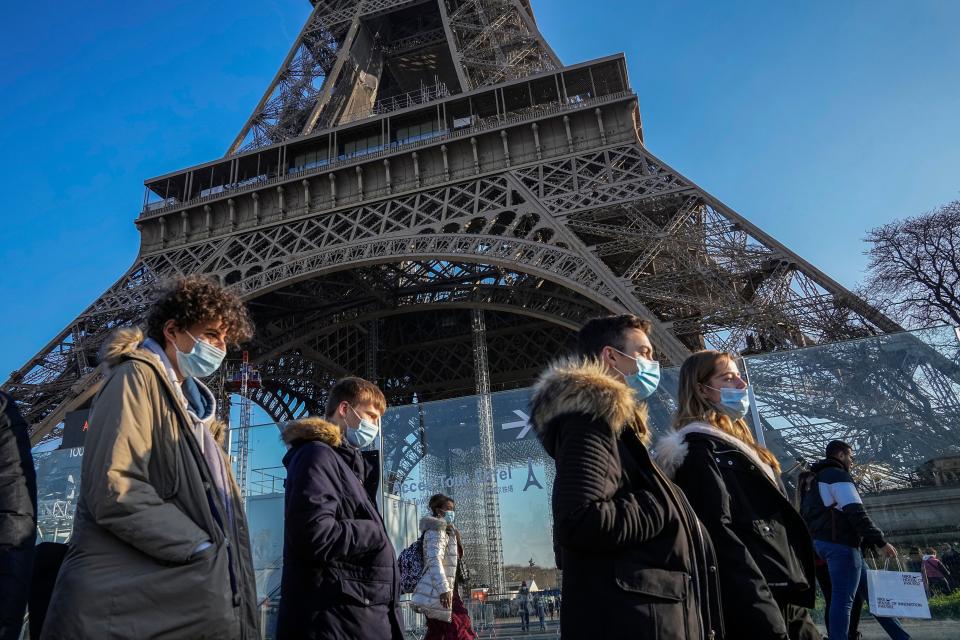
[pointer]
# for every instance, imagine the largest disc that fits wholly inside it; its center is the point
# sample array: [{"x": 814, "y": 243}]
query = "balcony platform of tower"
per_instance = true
[{"x": 399, "y": 144}]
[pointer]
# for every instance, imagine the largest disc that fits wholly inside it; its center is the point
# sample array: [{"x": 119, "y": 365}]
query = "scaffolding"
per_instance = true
[
  {"x": 241, "y": 383},
  {"x": 491, "y": 499}
]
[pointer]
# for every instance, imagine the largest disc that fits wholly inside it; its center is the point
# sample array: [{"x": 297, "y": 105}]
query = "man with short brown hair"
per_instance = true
[{"x": 340, "y": 577}]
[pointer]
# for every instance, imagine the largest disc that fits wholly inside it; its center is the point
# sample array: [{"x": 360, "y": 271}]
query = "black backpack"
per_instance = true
[{"x": 808, "y": 495}]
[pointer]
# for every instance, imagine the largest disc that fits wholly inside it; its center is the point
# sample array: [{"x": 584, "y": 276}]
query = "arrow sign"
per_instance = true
[{"x": 523, "y": 423}]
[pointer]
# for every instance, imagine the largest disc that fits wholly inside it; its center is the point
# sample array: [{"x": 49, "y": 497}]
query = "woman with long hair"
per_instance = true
[
  {"x": 437, "y": 595},
  {"x": 764, "y": 551}
]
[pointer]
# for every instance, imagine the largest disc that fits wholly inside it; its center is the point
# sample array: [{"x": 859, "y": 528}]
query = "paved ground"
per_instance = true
[
  {"x": 918, "y": 630},
  {"x": 510, "y": 630}
]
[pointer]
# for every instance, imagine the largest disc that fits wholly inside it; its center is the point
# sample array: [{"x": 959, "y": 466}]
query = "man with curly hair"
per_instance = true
[{"x": 160, "y": 545}]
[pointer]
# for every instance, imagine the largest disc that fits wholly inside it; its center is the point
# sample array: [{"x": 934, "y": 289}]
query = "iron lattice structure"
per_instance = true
[{"x": 414, "y": 162}]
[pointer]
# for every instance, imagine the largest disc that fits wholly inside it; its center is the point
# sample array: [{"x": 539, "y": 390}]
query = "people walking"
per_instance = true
[
  {"x": 437, "y": 594},
  {"x": 840, "y": 526},
  {"x": 523, "y": 604},
  {"x": 935, "y": 573},
  {"x": 764, "y": 551},
  {"x": 951, "y": 560},
  {"x": 541, "y": 610},
  {"x": 18, "y": 517},
  {"x": 340, "y": 578},
  {"x": 636, "y": 562},
  {"x": 160, "y": 546}
]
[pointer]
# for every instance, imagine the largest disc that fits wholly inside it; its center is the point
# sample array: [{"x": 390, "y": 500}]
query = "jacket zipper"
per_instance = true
[
  {"x": 234, "y": 589},
  {"x": 183, "y": 418},
  {"x": 706, "y": 631}
]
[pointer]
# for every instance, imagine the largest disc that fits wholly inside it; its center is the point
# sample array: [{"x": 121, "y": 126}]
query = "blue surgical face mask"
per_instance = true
[
  {"x": 647, "y": 378},
  {"x": 733, "y": 402},
  {"x": 365, "y": 433},
  {"x": 449, "y": 516},
  {"x": 201, "y": 361}
]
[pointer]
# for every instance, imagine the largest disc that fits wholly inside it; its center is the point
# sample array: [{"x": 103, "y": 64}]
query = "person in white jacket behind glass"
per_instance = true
[{"x": 436, "y": 594}]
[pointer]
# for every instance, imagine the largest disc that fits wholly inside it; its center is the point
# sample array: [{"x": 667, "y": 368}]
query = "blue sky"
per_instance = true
[{"x": 816, "y": 120}]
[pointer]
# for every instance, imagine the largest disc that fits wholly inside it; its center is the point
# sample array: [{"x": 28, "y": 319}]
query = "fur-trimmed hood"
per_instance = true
[
  {"x": 122, "y": 342},
  {"x": 671, "y": 450},
  {"x": 432, "y": 523},
  {"x": 577, "y": 385},
  {"x": 312, "y": 428},
  {"x": 128, "y": 341}
]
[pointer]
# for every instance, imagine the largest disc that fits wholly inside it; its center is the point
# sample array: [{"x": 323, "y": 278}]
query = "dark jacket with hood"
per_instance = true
[
  {"x": 831, "y": 505},
  {"x": 18, "y": 517},
  {"x": 634, "y": 558},
  {"x": 764, "y": 551},
  {"x": 340, "y": 579}
]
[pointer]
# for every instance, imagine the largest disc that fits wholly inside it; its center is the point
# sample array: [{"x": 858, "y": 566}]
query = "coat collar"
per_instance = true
[
  {"x": 672, "y": 449},
  {"x": 127, "y": 343},
  {"x": 432, "y": 523},
  {"x": 310, "y": 429},
  {"x": 828, "y": 463},
  {"x": 580, "y": 385}
]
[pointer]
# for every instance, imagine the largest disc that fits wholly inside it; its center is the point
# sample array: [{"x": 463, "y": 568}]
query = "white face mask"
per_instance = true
[
  {"x": 647, "y": 378},
  {"x": 365, "y": 432},
  {"x": 733, "y": 402},
  {"x": 201, "y": 361}
]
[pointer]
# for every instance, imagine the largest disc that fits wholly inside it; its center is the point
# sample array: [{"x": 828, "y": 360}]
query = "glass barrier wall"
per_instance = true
[{"x": 895, "y": 398}]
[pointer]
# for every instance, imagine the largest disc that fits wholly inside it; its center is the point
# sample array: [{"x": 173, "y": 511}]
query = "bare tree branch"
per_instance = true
[{"x": 914, "y": 269}]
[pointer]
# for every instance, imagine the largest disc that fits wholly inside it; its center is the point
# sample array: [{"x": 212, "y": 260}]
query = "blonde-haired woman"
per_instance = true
[{"x": 764, "y": 552}]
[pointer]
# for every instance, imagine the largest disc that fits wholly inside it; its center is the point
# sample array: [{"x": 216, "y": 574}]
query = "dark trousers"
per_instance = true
[
  {"x": 938, "y": 585},
  {"x": 524, "y": 619},
  {"x": 800, "y": 625}
]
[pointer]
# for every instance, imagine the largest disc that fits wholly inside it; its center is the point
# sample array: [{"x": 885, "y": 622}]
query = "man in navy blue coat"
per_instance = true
[{"x": 340, "y": 579}]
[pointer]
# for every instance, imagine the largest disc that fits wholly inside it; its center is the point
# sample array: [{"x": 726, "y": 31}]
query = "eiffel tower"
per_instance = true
[{"x": 426, "y": 196}]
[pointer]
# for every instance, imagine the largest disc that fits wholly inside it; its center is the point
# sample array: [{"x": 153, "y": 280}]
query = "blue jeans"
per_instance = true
[{"x": 848, "y": 575}]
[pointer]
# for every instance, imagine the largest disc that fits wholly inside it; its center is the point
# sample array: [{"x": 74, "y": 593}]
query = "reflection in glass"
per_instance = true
[{"x": 895, "y": 398}]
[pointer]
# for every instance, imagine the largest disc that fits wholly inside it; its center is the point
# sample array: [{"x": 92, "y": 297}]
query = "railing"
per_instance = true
[
  {"x": 480, "y": 126},
  {"x": 425, "y": 95},
  {"x": 318, "y": 205},
  {"x": 263, "y": 482}
]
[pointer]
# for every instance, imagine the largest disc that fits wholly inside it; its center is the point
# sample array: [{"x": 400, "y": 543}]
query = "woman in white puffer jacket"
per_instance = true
[{"x": 436, "y": 595}]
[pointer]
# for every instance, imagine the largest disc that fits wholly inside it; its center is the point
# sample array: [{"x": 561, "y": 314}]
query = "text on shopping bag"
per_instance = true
[{"x": 897, "y": 594}]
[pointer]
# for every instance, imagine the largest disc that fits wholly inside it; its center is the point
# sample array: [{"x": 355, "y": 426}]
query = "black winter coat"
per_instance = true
[
  {"x": 18, "y": 517},
  {"x": 340, "y": 578},
  {"x": 764, "y": 551},
  {"x": 635, "y": 562},
  {"x": 843, "y": 520}
]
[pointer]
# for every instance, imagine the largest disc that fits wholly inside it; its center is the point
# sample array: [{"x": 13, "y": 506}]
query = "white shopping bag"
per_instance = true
[{"x": 897, "y": 594}]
